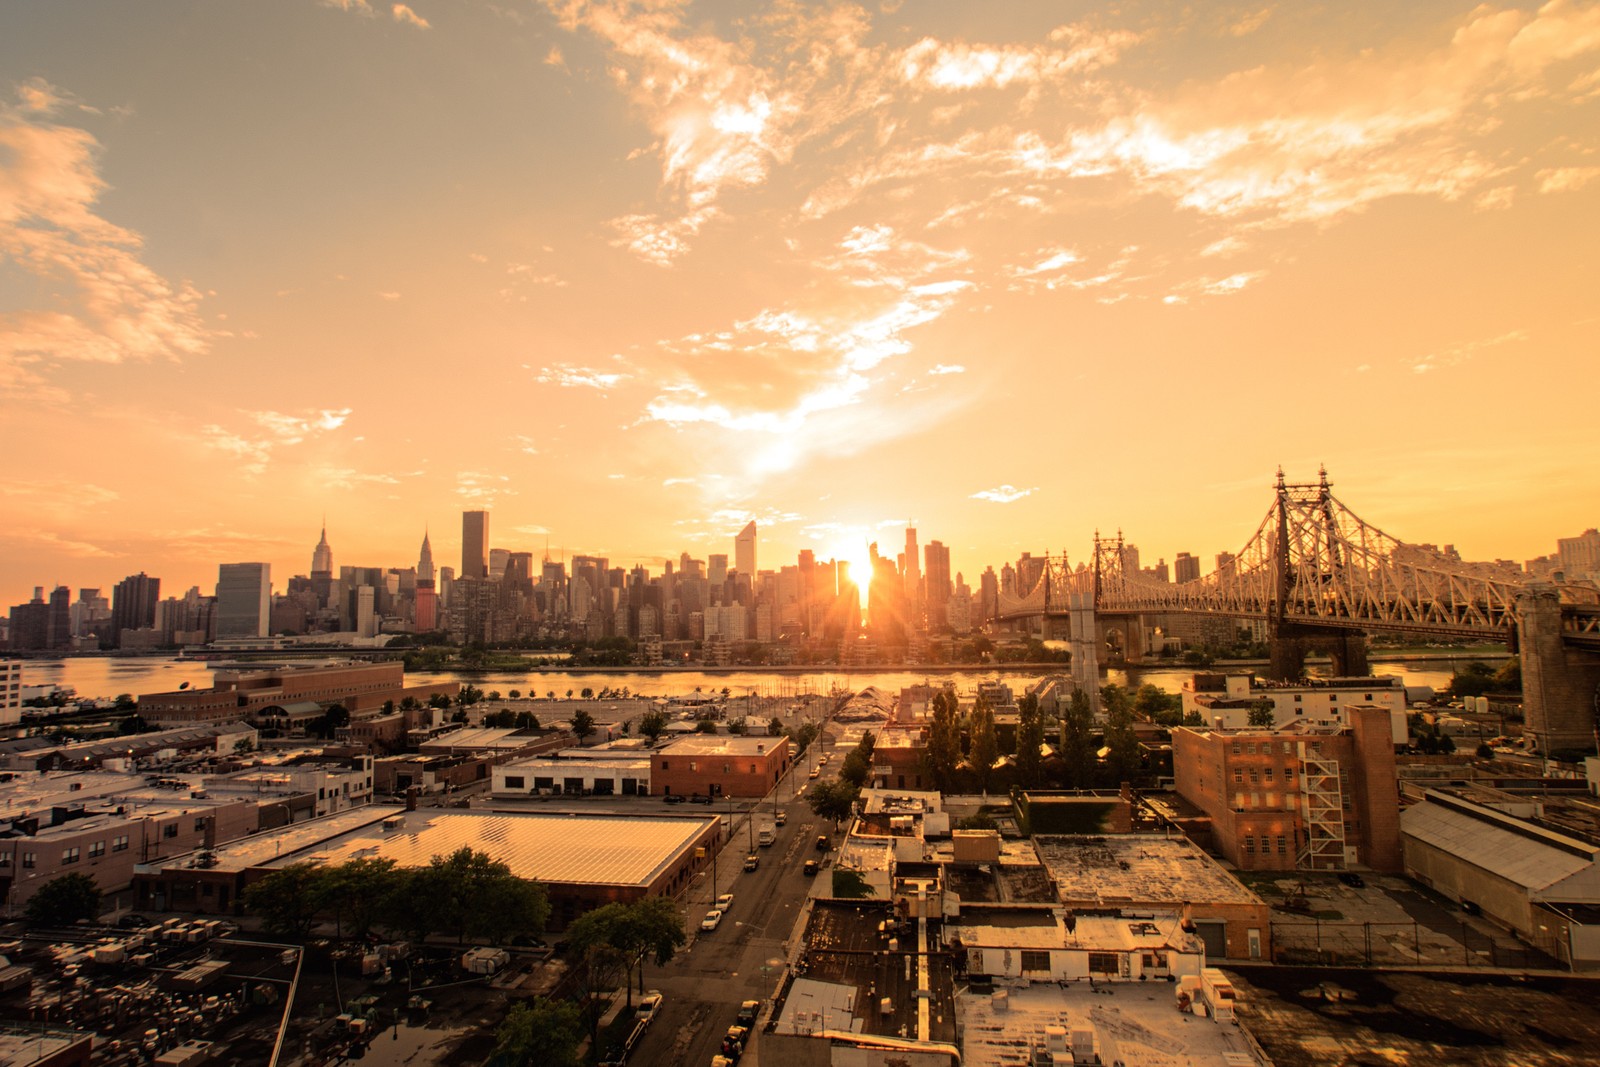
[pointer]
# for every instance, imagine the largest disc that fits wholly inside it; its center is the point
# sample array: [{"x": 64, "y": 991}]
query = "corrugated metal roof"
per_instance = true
[
  {"x": 1512, "y": 856},
  {"x": 571, "y": 849}
]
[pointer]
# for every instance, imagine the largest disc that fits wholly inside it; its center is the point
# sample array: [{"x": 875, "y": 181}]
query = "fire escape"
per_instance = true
[{"x": 1322, "y": 804}]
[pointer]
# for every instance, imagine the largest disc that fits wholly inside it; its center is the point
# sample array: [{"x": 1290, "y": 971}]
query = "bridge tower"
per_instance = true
[
  {"x": 1560, "y": 683},
  {"x": 1306, "y": 552}
]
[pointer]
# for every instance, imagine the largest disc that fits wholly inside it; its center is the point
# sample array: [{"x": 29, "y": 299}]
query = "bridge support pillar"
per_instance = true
[
  {"x": 1085, "y": 635},
  {"x": 1560, "y": 685},
  {"x": 1290, "y": 645}
]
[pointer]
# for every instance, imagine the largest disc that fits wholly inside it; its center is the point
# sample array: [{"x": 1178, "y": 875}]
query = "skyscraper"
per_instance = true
[
  {"x": 426, "y": 617},
  {"x": 913, "y": 572},
  {"x": 717, "y": 569},
  {"x": 937, "y": 582},
  {"x": 244, "y": 599},
  {"x": 133, "y": 605},
  {"x": 474, "y": 544},
  {"x": 744, "y": 550},
  {"x": 1186, "y": 568},
  {"x": 322, "y": 555}
]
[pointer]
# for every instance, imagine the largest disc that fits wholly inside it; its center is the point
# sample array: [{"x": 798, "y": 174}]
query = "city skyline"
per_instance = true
[{"x": 632, "y": 278}]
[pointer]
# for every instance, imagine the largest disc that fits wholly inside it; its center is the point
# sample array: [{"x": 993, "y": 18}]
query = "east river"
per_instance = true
[{"x": 109, "y": 676}]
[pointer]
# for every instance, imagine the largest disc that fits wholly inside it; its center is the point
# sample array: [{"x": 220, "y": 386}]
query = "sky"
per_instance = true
[{"x": 629, "y": 275}]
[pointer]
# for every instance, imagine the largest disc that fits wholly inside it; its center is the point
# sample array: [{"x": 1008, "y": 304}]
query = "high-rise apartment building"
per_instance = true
[
  {"x": 474, "y": 544},
  {"x": 936, "y": 581},
  {"x": 10, "y": 692},
  {"x": 1186, "y": 568},
  {"x": 1579, "y": 556},
  {"x": 744, "y": 550},
  {"x": 717, "y": 569},
  {"x": 133, "y": 605},
  {"x": 244, "y": 599}
]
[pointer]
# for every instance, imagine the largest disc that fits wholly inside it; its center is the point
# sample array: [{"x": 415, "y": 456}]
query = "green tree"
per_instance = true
[
  {"x": 1030, "y": 737},
  {"x": 515, "y": 694},
  {"x": 475, "y": 895},
  {"x": 944, "y": 742},
  {"x": 133, "y": 724},
  {"x": 775, "y": 727},
  {"x": 469, "y": 695},
  {"x": 439, "y": 700},
  {"x": 356, "y": 891},
  {"x": 1194, "y": 718},
  {"x": 705, "y": 726},
  {"x": 1077, "y": 741},
  {"x": 1475, "y": 679},
  {"x": 538, "y": 1033},
  {"x": 833, "y": 800},
  {"x": 124, "y": 703},
  {"x": 286, "y": 901},
  {"x": 582, "y": 724},
  {"x": 1124, "y": 759},
  {"x": 653, "y": 724},
  {"x": 1262, "y": 716},
  {"x": 64, "y": 900},
  {"x": 1156, "y": 704},
  {"x": 594, "y": 945},
  {"x": 738, "y": 727},
  {"x": 985, "y": 750},
  {"x": 587, "y": 694}
]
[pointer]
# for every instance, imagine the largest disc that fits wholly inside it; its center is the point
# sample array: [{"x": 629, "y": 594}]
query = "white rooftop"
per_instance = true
[
  {"x": 1519, "y": 852},
  {"x": 586, "y": 849},
  {"x": 1135, "y": 1023}
]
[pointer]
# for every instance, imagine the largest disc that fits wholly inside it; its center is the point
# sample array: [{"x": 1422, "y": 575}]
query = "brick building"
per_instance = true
[
  {"x": 292, "y": 694},
  {"x": 721, "y": 766},
  {"x": 1317, "y": 797}
]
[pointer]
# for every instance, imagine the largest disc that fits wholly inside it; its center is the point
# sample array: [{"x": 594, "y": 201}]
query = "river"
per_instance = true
[{"x": 109, "y": 676}]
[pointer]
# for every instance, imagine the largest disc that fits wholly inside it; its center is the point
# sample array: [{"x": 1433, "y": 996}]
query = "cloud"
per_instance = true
[
  {"x": 482, "y": 489},
  {"x": 50, "y": 497},
  {"x": 388, "y": 296},
  {"x": 292, "y": 429},
  {"x": 570, "y": 377},
  {"x": 947, "y": 368},
  {"x": 1458, "y": 354},
  {"x": 1003, "y": 494},
  {"x": 532, "y": 531},
  {"x": 524, "y": 444},
  {"x": 279, "y": 430},
  {"x": 1566, "y": 179},
  {"x": 54, "y": 542},
  {"x": 346, "y": 478},
  {"x": 358, "y": 7},
  {"x": 93, "y": 299},
  {"x": 403, "y": 13}
]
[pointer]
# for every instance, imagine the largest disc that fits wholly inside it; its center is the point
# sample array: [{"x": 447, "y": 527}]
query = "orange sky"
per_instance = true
[{"x": 632, "y": 274}]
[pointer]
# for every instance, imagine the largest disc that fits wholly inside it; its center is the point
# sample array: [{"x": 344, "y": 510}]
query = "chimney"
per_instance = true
[{"x": 411, "y": 799}]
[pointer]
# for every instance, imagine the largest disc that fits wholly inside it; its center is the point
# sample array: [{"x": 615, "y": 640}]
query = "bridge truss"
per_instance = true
[{"x": 1315, "y": 563}]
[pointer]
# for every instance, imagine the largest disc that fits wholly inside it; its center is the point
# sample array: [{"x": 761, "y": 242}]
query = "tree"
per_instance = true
[
  {"x": 775, "y": 727},
  {"x": 469, "y": 695},
  {"x": 1262, "y": 716},
  {"x": 705, "y": 726},
  {"x": 538, "y": 1033},
  {"x": 593, "y": 943},
  {"x": 1077, "y": 741},
  {"x": 515, "y": 694},
  {"x": 582, "y": 724},
  {"x": 833, "y": 800},
  {"x": 1030, "y": 737},
  {"x": 1156, "y": 704},
  {"x": 355, "y": 890},
  {"x": 493, "y": 696},
  {"x": 653, "y": 724},
  {"x": 944, "y": 742},
  {"x": 1124, "y": 759},
  {"x": 856, "y": 768},
  {"x": 984, "y": 749},
  {"x": 1475, "y": 679},
  {"x": 64, "y": 900},
  {"x": 124, "y": 703},
  {"x": 439, "y": 700},
  {"x": 133, "y": 724},
  {"x": 286, "y": 900},
  {"x": 737, "y": 727}
]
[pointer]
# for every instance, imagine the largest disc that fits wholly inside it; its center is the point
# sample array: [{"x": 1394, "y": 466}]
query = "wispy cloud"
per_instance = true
[
  {"x": 94, "y": 299},
  {"x": 570, "y": 377},
  {"x": 1461, "y": 353},
  {"x": 483, "y": 489},
  {"x": 1566, "y": 179},
  {"x": 1003, "y": 494},
  {"x": 403, "y": 13}
]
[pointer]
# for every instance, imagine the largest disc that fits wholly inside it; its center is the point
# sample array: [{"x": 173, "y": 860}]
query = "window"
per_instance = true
[
  {"x": 200, "y": 825},
  {"x": 514, "y": 781},
  {"x": 694, "y": 767},
  {"x": 1035, "y": 962},
  {"x": 1297, "y": 698},
  {"x": 1249, "y": 845},
  {"x": 170, "y": 830},
  {"x": 1368, "y": 697},
  {"x": 97, "y": 849},
  {"x": 29, "y": 859},
  {"x": 1283, "y": 845},
  {"x": 5, "y": 860},
  {"x": 1267, "y": 774},
  {"x": 1236, "y": 748},
  {"x": 1102, "y": 963},
  {"x": 119, "y": 842},
  {"x": 1238, "y": 775},
  {"x": 727, "y": 768},
  {"x": 1255, "y": 778},
  {"x": 1250, "y": 749}
]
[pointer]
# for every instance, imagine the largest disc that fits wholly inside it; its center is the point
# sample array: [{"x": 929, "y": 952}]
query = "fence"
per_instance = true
[{"x": 1378, "y": 944}]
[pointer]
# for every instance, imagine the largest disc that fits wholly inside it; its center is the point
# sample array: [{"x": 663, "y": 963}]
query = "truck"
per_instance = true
[
  {"x": 766, "y": 834},
  {"x": 484, "y": 960}
]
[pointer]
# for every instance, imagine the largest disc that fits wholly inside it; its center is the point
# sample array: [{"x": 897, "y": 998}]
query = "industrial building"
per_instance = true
[{"x": 718, "y": 765}]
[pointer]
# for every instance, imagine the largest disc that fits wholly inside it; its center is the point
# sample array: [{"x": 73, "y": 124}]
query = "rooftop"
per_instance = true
[
  {"x": 587, "y": 849},
  {"x": 721, "y": 745},
  {"x": 1119, "y": 869},
  {"x": 1133, "y": 1023}
]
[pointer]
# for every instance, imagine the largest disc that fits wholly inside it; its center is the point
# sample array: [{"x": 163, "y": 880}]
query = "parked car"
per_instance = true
[
  {"x": 712, "y": 920},
  {"x": 811, "y": 867},
  {"x": 725, "y": 901},
  {"x": 1353, "y": 880},
  {"x": 782, "y": 817},
  {"x": 674, "y": 798},
  {"x": 696, "y": 798},
  {"x": 823, "y": 844},
  {"x": 649, "y": 1004},
  {"x": 752, "y": 861},
  {"x": 816, "y": 772},
  {"x": 748, "y": 1012}
]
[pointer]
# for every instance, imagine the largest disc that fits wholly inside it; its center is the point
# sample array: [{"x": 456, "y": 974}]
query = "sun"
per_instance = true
[{"x": 852, "y": 552}]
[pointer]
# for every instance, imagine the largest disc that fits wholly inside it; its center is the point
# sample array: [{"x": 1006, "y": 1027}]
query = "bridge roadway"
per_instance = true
[{"x": 706, "y": 982}]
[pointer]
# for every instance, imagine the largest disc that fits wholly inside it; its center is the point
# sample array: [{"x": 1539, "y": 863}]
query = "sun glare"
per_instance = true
[{"x": 853, "y": 554}]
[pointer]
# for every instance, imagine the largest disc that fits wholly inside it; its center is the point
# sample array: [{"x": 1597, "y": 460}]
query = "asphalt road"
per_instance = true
[{"x": 705, "y": 984}]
